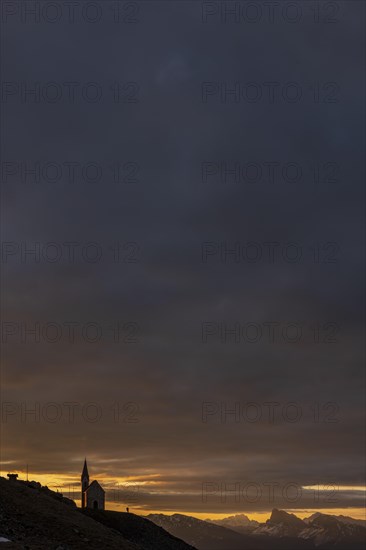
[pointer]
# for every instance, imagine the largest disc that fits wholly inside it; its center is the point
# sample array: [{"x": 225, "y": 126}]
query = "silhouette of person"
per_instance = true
[{"x": 127, "y": 510}]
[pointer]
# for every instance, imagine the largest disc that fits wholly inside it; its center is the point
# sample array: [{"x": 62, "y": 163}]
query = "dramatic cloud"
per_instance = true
[{"x": 191, "y": 325}]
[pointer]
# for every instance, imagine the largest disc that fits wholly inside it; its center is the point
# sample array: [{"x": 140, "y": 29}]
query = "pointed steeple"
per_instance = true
[
  {"x": 84, "y": 484},
  {"x": 85, "y": 472}
]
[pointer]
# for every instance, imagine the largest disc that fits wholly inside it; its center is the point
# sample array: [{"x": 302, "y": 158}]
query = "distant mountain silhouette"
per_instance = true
[
  {"x": 283, "y": 531},
  {"x": 240, "y": 523},
  {"x": 342, "y": 519},
  {"x": 206, "y": 535},
  {"x": 328, "y": 531},
  {"x": 281, "y": 524},
  {"x": 324, "y": 531}
]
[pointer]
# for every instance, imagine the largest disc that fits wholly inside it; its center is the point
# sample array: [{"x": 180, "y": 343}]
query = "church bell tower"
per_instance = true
[{"x": 84, "y": 484}]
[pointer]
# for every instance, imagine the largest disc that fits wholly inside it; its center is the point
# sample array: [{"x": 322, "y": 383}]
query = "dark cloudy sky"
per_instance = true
[{"x": 130, "y": 127}]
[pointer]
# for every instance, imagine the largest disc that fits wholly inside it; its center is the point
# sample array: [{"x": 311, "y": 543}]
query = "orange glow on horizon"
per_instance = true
[{"x": 69, "y": 485}]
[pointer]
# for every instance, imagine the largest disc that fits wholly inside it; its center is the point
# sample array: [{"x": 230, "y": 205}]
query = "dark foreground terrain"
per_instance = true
[{"x": 34, "y": 518}]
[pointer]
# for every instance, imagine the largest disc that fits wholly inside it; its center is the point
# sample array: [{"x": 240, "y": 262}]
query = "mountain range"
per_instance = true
[{"x": 281, "y": 531}]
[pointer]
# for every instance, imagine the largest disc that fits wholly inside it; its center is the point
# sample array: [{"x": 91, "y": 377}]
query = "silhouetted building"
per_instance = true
[
  {"x": 12, "y": 477},
  {"x": 93, "y": 495}
]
